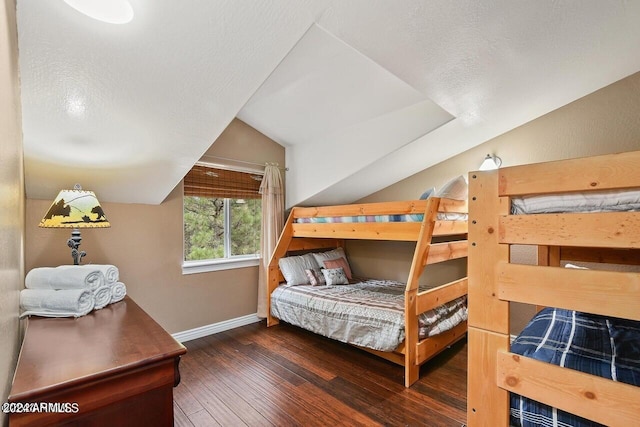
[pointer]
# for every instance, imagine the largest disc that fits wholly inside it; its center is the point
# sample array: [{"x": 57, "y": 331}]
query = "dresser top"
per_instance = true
[{"x": 63, "y": 352}]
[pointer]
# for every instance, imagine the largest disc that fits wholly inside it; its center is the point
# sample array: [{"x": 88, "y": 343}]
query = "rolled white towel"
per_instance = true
[
  {"x": 111, "y": 272},
  {"x": 64, "y": 277},
  {"x": 102, "y": 296},
  {"x": 56, "y": 303},
  {"x": 118, "y": 292}
]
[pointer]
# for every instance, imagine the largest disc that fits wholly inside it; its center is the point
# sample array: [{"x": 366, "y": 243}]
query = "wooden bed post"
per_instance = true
[
  {"x": 411, "y": 367},
  {"x": 487, "y": 404}
]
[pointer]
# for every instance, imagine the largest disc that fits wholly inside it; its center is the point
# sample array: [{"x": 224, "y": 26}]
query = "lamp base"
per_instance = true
[{"x": 74, "y": 243}]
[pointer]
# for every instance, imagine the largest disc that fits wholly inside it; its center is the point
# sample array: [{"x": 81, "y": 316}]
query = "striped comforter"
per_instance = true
[
  {"x": 369, "y": 313},
  {"x": 607, "y": 347}
]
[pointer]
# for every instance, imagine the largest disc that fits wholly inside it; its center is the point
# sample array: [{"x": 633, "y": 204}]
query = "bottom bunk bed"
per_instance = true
[
  {"x": 367, "y": 313},
  {"x": 310, "y": 282},
  {"x": 607, "y": 347},
  {"x": 577, "y": 361}
]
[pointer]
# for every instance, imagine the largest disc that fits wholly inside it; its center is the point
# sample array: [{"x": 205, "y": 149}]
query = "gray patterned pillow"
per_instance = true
[{"x": 335, "y": 276}]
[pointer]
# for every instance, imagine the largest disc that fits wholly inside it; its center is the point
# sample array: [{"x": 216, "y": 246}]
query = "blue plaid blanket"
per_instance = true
[{"x": 603, "y": 346}]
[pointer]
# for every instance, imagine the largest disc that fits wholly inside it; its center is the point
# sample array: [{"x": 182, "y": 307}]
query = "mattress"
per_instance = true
[
  {"x": 598, "y": 345},
  {"x": 596, "y": 201},
  {"x": 367, "y": 313},
  {"x": 452, "y": 216}
]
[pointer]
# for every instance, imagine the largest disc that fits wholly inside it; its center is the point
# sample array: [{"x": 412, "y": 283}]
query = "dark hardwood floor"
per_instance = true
[{"x": 285, "y": 376}]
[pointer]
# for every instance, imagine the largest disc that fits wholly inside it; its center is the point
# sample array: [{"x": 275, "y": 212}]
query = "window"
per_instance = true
[{"x": 222, "y": 219}]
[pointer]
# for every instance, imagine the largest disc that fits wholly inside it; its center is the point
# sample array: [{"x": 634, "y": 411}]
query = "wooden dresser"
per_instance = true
[{"x": 113, "y": 367}]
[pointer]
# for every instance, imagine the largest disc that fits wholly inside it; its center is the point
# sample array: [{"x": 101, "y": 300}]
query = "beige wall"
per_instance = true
[
  {"x": 11, "y": 198},
  {"x": 145, "y": 243},
  {"x": 605, "y": 121}
]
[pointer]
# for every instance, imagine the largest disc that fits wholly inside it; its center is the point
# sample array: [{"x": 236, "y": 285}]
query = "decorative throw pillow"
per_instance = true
[
  {"x": 321, "y": 257},
  {"x": 293, "y": 268},
  {"x": 456, "y": 189},
  {"x": 338, "y": 263},
  {"x": 335, "y": 276},
  {"x": 316, "y": 278}
]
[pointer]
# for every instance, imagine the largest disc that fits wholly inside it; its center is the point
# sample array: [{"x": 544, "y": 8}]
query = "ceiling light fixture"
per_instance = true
[
  {"x": 110, "y": 11},
  {"x": 490, "y": 163}
]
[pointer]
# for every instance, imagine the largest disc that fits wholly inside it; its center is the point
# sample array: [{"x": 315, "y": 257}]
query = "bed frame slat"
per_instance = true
[
  {"x": 589, "y": 396},
  {"x": 604, "y": 230},
  {"x": 446, "y": 251},
  {"x": 429, "y": 347},
  {"x": 450, "y": 228},
  {"x": 572, "y": 289},
  {"x": 391, "y": 356},
  {"x": 439, "y": 295},
  {"x": 601, "y": 255},
  {"x": 586, "y": 174},
  {"x": 398, "y": 231},
  {"x": 306, "y": 244}
]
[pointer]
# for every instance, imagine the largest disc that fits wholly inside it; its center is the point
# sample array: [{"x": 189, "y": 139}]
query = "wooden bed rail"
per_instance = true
[
  {"x": 581, "y": 290},
  {"x": 589, "y": 396},
  {"x": 432, "y": 298},
  {"x": 394, "y": 231},
  {"x": 572, "y": 229},
  {"x": 612, "y": 171}
]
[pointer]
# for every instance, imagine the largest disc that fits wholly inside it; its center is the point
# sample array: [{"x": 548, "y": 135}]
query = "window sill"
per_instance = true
[{"x": 193, "y": 267}]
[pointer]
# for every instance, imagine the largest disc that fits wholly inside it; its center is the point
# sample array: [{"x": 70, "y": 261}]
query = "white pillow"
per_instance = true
[
  {"x": 321, "y": 257},
  {"x": 567, "y": 265},
  {"x": 456, "y": 189},
  {"x": 293, "y": 268},
  {"x": 428, "y": 193}
]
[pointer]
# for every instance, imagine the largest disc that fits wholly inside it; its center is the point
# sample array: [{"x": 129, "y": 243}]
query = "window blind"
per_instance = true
[{"x": 203, "y": 181}]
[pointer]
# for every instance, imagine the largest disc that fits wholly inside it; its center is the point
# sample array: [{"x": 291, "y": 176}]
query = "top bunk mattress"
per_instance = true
[
  {"x": 596, "y": 201},
  {"x": 368, "y": 313},
  {"x": 381, "y": 218}
]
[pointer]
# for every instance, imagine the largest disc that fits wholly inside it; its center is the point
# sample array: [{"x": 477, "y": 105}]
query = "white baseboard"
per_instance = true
[{"x": 214, "y": 328}]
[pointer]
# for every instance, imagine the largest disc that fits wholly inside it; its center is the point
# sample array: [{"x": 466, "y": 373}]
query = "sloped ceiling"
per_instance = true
[{"x": 361, "y": 93}]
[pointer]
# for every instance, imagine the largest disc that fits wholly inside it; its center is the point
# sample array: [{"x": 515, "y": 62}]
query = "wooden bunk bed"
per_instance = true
[
  {"x": 452, "y": 244},
  {"x": 593, "y": 237}
]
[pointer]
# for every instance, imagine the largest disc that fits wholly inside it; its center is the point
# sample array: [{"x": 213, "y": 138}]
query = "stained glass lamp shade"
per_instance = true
[{"x": 75, "y": 209}]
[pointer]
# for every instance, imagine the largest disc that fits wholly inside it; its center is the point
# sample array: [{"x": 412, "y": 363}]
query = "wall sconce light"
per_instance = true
[
  {"x": 75, "y": 209},
  {"x": 490, "y": 163}
]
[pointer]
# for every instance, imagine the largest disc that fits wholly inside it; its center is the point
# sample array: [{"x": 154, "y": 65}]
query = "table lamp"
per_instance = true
[{"x": 75, "y": 209}]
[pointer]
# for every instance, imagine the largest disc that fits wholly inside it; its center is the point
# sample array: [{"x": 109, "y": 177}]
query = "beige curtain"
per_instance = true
[{"x": 272, "y": 223}]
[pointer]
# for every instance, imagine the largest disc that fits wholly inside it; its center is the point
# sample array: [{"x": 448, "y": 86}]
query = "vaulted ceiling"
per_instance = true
[{"x": 360, "y": 93}]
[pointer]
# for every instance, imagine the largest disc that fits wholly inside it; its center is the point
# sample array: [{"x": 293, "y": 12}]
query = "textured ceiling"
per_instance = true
[{"x": 361, "y": 93}]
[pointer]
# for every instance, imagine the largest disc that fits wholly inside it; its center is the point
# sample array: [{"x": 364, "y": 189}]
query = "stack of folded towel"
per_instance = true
[{"x": 70, "y": 290}]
